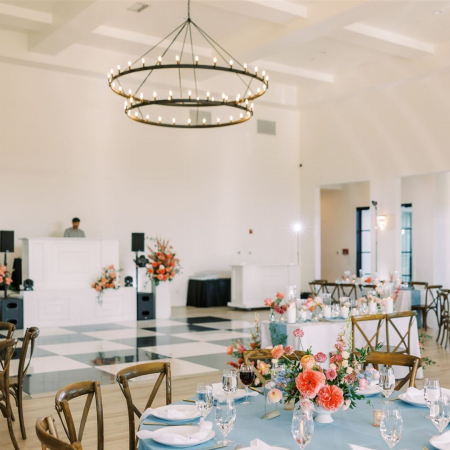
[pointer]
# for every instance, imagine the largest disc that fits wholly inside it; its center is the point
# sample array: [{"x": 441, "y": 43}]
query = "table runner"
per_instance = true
[{"x": 349, "y": 427}]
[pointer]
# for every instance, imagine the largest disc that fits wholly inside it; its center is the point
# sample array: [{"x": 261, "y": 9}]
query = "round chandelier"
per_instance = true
[{"x": 193, "y": 104}]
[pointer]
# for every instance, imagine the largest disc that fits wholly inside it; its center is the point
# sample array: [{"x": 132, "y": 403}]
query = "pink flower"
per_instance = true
[
  {"x": 268, "y": 302},
  {"x": 299, "y": 333},
  {"x": 320, "y": 357},
  {"x": 280, "y": 295},
  {"x": 363, "y": 384},
  {"x": 277, "y": 352},
  {"x": 309, "y": 382},
  {"x": 240, "y": 347},
  {"x": 339, "y": 358},
  {"x": 289, "y": 350},
  {"x": 306, "y": 405},
  {"x": 263, "y": 367},
  {"x": 331, "y": 374},
  {"x": 274, "y": 395}
]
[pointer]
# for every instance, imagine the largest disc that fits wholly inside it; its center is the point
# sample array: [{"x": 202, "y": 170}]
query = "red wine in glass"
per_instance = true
[{"x": 247, "y": 377}]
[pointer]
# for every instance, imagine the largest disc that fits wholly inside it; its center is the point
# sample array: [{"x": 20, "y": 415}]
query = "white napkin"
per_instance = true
[
  {"x": 169, "y": 413},
  {"x": 414, "y": 395},
  {"x": 256, "y": 444},
  {"x": 145, "y": 414},
  {"x": 441, "y": 440},
  {"x": 357, "y": 447},
  {"x": 172, "y": 438},
  {"x": 219, "y": 392}
]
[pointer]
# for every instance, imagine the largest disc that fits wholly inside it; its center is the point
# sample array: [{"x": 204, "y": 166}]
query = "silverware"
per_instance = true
[
  {"x": 162, "y": 424},
  {"x": 188, "y": 400},
  {"x": 257, "y": 390},
  {"x": 217, "y": 446}
]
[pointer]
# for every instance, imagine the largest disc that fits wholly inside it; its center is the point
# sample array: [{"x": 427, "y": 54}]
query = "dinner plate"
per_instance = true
[
  {"x": 191, "y": 411},
  {"x": 271, "y": 448},
  {"x": 372, "y": 390},
  {"x": 434, "y": 441},
  {"x": 421, "y": 401},
  {"x": 158, "y": 435},
  {"x": 240, "y": 394}
]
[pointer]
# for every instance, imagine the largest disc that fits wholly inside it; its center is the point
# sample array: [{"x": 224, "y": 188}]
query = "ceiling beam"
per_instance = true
[
  {"x": 32, "y": 15},
  {"x": 294, "y": 71}
]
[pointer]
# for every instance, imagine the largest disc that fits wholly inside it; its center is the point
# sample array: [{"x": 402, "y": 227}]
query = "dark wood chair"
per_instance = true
[
  {"x": 7, "y": 347},
  {"x": 9, "y": 328},
  {"x": 393, "y": 333},
  {"x": 431, "y": 303},
  {"x": 139, "y": 370},
  {"x": 444, "y": 316},
  {"x": 333, "y": 290},
  {"x": 16, "y": 383},
  {"x": 48, "y": 436},
  {"x": 91, "y": 389},
  {"x": 317, "y": 287},
  {"x": 348, "y": 290},
  {"x": 395, "y": 359},
  {"x": 420, "y": 286},
  {"x": 370, "y": 340}
]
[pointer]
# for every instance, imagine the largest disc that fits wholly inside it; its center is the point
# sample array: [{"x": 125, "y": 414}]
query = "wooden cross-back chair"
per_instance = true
[
  {"x": 16, "y": 384},
  {"x": 365, "y": 287},
  {"x": 348, "y": 290},
  {"x": 90, "y": 389},
  {"x": 7, "y": 347},
  {"x": 396, "y": 359},
  {"x": 333, "y": 290},
  {"x": 265, "y": 354},
  {"x": 48, "y": 436},
  {"x": 431, "y": 303},
  {"x": 444, "y": 316},
  {"x": 123, "y": 377},
  {"x": 317, "y": 287},
  {"x": 421, "y": 286},
  {"x": 371, "y": 340},
  {"x": 393, "y": 332},
  {"x": 9, "y": 328}
]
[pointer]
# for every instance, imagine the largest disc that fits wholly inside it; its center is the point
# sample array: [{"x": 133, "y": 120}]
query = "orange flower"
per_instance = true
[
  {"x": 230, "y": 350},
  {"x": 263, "y": 367},
  {"x": 277, "y": 352},
  {"x": 150, "y": 270},
  {"x": 308, "y": 362},
  {"x": 309, "y": 382},
  {"x": 330, "y": 397}
]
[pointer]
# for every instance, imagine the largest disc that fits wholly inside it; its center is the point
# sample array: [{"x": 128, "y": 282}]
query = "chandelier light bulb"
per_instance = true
[
  {"x": 154, "y": 95},
  {"x": 118, "y": 69},
  {"x": 142, "y": 96},
  {"x": 248, "y": 113},
  {"x": 251, "y": 106},
  {"x": 159, "y": 119},
  {"x": 170, "y": 93},
  {"x": 246, "y": 101},
  {"x": 218, "y": 120},
  {"x": 258, "y": 90},
  {"x": 263, "y": 73},
  {"x": 204, "y": 121},
  {"x": 189, "y": 121},
  {"x": 147, "y": 117},
  {"x": 120, "y": 88},
  {"x": 215, "y": 62},
  {"x": 231, "y": 63},
  {"x": 241, "y": 115},
  {"x": 136, "y": 114},
  {"x": 174, "y": 121},
  {"x": 196, "y": 60},
  {"x": 231, "y": 118},
  {"x": 159, "y": 60},
  {"x": 177, "y": 58},
  {"x": 143, "y": 62},
  {"x": 112, "y": 71},
  {"x": 114, "y": 85},
  {"x": 238, "y": 97},
  {"x": 189, "y": 94},
  {"x": 129, "y": 65},
  {"x": 267, "y": 77},
  {"x": 207, "y": 95},
  {"x": 129, "y": 91},
  {"x": 212, "y": 99},
  {"x": 256, "y": 70},
  {"x": 198, "y": 98},
  {"x": 245, "y": 67}
]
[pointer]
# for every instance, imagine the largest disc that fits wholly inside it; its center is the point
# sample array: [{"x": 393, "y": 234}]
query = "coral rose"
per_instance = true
[
  {"x": 320, "y": 357},
  {"x": 330, "y": 397},
  {"x": 299, "y": 333},
  {"x": 280, "y": 295},
  {"x": 289, "y": 350},
  {"x": 308, "y": 362},
  {"x": 230, "y": 350},
  {"x": 274, "y": 396},
  {"x": 268, "y": 302},
  {"x": 331, "y": 374},
  {"x": 277, "y": 352},
  {"x": 309, "y": 383}
]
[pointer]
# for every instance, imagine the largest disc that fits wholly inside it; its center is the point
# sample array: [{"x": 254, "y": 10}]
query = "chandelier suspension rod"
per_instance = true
[{"x": 181, "y": 58}]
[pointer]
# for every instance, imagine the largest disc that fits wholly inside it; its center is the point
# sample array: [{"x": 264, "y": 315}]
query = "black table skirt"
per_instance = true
[{"x": 207, "y": 293}]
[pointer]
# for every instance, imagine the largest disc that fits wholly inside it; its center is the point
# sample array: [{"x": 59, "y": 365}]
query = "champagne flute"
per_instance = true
[
  {"x": 391, "y": 426},
  {"x": 229, "y": 382},
  {"x": 440, "y": 412},
  {"x": 247, "y": 376},
  {"x": 204, "y": 399},
  {"x": 302, "y": 428},
  {"x": 225, "y": 418},
  {"x": 431, "y": 392},
  {"x": 387, "y": 381}
]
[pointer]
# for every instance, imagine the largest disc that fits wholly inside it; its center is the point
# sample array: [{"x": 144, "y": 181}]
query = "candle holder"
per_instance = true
[{"x": 377, "y": 413}]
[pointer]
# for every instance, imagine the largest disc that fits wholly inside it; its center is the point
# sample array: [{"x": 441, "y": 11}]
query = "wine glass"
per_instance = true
[
  {"x": 387, "y": 381},
  {"x": 391, "y": 426},
  {"x": 302, "y": 428},
  {"x": 440, "y": 412},
  {"x": 204, "y": 399},
  {"x": 229, "y": 382},
  {"x": 431, "y": 392},
  {"x": 225, "y": 418},
  {"x": 247, "y": 376}
]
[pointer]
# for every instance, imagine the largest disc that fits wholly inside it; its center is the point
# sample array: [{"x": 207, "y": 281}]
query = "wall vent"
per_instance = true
[
  {"x": 138, "y": 7},
  {"x": 267, "y": 127},
  {"x": 201, "y": 115}
]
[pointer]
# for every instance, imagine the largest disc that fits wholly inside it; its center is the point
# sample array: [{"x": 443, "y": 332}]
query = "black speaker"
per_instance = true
[
  {"x": 6, "y": 241},
  {"x": 137, "y": 242},
  {"x": 145, "y": 306}
]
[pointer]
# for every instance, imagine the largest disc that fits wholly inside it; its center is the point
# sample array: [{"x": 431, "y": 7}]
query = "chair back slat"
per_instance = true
[
  {"x": 404, "y": 338},
  {"x": 370, "y": 342},
  {"x": 91, "y": 389},
  {"x": 317, "y": 287},
  {"x": 48, "y": 436},
  {"x": 9, "y": 328},
  {"x": 129, "y": 373},
  {"x": 333, "y": 290},
  {"x": 348, "y": 290},
  {"x": 29, "y": 339}
]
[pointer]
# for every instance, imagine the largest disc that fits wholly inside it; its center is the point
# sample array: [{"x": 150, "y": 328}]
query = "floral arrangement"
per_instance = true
[
  {"x": 107, "y": 280},
  {"x": 5, "y": 279},
  {"x": 237, "y": 348},
  {"x": 275, "y": 305},
  {"x": 163, "y": 264},
  {"x": 305, "y": 381},
  {"x": 377, "y": 297},
  {"x": 367, "y": 378},
  {"x": 312, "y": 303}
]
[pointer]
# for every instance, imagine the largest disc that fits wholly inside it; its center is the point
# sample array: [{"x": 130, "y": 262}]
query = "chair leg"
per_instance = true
[
  {"x": 20, "y": 407},
  {"x": 9, "y": 414},
  {"x": 424, "y": 317}
]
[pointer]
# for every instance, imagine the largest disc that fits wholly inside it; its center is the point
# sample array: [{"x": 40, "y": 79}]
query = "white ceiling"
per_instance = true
[{"x": 319, "y": 47}]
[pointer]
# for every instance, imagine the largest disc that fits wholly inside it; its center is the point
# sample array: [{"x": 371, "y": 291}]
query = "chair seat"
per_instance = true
[
  {"x": 421, "y": 307},
  {"x": 392, "y": 349}
]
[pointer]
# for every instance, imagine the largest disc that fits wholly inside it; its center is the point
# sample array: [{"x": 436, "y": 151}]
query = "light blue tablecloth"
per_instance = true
[{"x": 349, "y": 427}]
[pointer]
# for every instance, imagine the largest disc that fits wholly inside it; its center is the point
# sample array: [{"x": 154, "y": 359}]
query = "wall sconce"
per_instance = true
[{"x": 381, "y": 222}]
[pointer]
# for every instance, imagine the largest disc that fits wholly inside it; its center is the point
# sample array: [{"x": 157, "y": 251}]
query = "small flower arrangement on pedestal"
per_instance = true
[
  {"x": 107, "y": 280},
  {"x": 163, "y": 264},
  {"x": 5, "y": 279},
  {"x": 367, "y": 378},
  {"x": 275, "y": 305}
]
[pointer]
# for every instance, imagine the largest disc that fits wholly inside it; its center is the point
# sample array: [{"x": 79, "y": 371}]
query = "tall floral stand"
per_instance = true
[{"x": 161, "y": 297}]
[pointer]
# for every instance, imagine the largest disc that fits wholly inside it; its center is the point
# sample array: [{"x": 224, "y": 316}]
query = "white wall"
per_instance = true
[
  {"x": 68, "y": 150},
  {"x": 338, "y": 227},
  {"x": 377, "y": 136}
]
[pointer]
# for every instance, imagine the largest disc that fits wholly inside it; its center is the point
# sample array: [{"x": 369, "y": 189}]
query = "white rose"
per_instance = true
[
  {"x": 344, "y": 363},
  {"x": 349, "y": 370},
  {"x": 332, "y": 366},
  {"x": 345, "y": 355}
]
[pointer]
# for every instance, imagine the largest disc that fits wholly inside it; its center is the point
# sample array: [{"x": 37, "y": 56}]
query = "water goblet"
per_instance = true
[
  {"x": 225, "y": 418},
  {"x": 387, "y": 381},
  {"x": 440, "y": 412},
  {"x": 204, "y": 399},
  {"x": 302, "y": 428},
  {"x": 247, "y": 376},
  {"x": 431, "y": 392},
  {"x": 229, "y": 382},
  {"x": 391, "y": 426}
]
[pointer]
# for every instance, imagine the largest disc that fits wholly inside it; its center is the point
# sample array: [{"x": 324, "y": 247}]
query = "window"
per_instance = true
[
  {"x": 363, "y": 228},
  {"x": 407, "y": 242}
]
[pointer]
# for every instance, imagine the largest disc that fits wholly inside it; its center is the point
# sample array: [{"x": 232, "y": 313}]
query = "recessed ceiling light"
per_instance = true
[
  {"x": 138, "y": 7},
  {"x": 437, "y": 12}
]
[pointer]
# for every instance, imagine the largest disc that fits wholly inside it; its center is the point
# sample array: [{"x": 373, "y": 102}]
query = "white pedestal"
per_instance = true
[
  {"x": 251, "y": 284},
  {"x": 163, "y": 303}
]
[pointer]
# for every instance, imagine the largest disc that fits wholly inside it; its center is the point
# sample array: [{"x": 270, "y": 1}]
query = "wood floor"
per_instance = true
[{"x": 115, "y": 413}]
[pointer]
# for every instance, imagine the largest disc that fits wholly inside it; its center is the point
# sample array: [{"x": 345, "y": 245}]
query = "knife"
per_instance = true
[
  {"x": 257, "y": 390},
  {"x": 188, "y": 400},
  {"x": 169, "y": 424}
]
